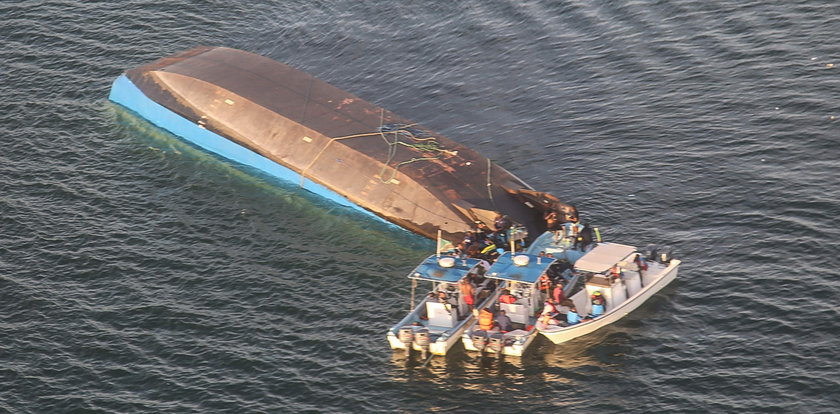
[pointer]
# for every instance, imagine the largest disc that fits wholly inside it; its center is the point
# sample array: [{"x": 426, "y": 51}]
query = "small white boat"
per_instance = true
[
  {"x": 613, "y": 270},
  {"x": 438, "y": 321},
  {"x": 519, "y": 274}
]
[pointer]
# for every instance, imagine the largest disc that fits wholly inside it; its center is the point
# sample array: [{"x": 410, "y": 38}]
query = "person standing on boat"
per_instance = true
[
  {"x": 557, "y": 293},
  {"x": 584, "y": 237},
  {"x": 598, "y": 304},
  {"x": 481, "y": 230},
  {"x": 488, "y": 250},
  {"x": 467, "y": 293},
  {"x": 544, "y": 284},
  {"x": 641, "y": 263},
  {"x": 501, "y": 224},
  {"x": 552, "y": 223}
]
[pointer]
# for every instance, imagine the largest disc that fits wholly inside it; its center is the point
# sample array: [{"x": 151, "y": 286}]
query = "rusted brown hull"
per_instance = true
[{"x": 388, "y": 165}]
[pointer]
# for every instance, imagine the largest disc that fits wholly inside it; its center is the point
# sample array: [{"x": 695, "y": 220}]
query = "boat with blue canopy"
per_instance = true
[
  {"x": 520, "y": 275},
  {"x": 436, "y": 323}
]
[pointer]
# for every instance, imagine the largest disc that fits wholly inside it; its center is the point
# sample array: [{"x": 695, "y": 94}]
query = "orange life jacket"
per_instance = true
[
  {"x": 485, "y": 320},
  {"x": 544, "y": 283}
]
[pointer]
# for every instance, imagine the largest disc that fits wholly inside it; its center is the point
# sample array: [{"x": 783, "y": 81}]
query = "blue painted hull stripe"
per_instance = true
[{"x": 125, "y": 93}]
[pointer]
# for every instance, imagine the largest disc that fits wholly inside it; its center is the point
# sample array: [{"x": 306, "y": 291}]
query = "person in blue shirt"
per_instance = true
[
  {"x": 572, "y": 317},
  {"x": 598, "y": 304}
]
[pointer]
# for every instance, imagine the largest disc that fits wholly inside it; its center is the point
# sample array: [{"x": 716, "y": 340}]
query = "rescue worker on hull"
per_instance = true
[{"x": 584, "y": 238}]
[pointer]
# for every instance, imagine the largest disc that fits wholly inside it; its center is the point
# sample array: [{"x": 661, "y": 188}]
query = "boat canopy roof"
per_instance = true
[
  {"x": 509, "y": 267},
  {"x": 603, "y": 257},
  {"x": 433, "y": 269}
]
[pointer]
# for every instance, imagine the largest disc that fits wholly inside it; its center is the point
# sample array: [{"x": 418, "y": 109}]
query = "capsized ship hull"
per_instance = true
[{"x": 265, "y": 114}]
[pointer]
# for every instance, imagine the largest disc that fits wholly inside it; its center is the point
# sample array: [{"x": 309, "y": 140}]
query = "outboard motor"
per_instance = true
[
  {"x": 406, "y": 336},
  {"x": 664, "y": 254},
  {"x": 479, "y": 339},
  {"x": 650, "y": 253},
  {"x": 421, "y": 338},
  {"x": 497, "y": 343}
]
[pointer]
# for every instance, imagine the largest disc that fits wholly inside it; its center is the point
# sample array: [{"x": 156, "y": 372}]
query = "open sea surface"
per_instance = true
[{"x": 140, "y": 274}]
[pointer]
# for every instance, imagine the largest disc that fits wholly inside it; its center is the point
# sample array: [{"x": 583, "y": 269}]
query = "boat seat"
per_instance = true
[
  {"x": 440, "y": 316},
  {"x": 516, "y": 312}
]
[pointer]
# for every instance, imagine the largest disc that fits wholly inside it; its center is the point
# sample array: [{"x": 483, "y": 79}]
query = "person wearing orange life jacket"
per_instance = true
[
  {"x": 544, "y": 283},
  {"x": 485, "y": 319},
  {"x": 506, "y": 297},
  {"x": 615, "y": 272}
]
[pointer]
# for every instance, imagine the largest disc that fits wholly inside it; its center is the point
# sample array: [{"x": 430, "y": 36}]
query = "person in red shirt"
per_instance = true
[
  {"x": 507, "y": 297},
  {"x": 467, "y": 293},
  {"x": 557, "y": 294}
]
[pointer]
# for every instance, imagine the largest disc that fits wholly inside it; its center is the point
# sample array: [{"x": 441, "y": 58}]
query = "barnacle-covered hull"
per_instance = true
[{"x": 268, "y": 115}]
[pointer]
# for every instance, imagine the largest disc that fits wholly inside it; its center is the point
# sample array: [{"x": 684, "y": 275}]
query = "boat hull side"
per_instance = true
[
  {"x": 127, "y": 94},
  {"x": 567, "y": 334}
]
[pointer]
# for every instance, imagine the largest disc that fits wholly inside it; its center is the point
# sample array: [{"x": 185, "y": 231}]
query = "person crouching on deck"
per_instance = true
[{"x": 507, "y": 297}]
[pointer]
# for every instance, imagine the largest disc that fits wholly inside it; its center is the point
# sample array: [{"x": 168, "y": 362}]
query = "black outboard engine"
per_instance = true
[
  {"x": 421, "y": 338},
  {"x": 406, "y": 336},
  {"x": 650, "y": 253},
  {"x": 497, "y": 343},
  {"x": 479, "y": 339},
  {"x": 664, "y": 254}
]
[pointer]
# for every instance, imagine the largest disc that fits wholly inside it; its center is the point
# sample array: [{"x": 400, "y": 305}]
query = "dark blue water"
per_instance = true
[{"x": 138, "y": 274}]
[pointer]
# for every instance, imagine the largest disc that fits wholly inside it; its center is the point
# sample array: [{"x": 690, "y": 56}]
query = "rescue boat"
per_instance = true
[
  {"x": 519, "y": 274},
  {"x": 436, "y": 323},
  {"x": 625, "y": 278}
]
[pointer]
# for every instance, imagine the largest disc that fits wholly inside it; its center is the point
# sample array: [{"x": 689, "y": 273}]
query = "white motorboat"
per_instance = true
[
  {"x": 437, "y": 322},
  {"x": 520, "y": 275},
  {"x": 614, "y": 271}
]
